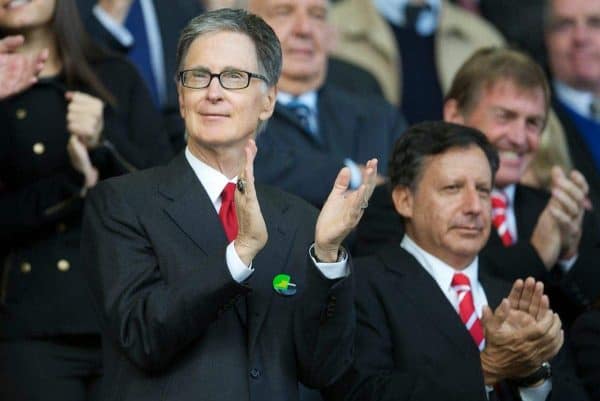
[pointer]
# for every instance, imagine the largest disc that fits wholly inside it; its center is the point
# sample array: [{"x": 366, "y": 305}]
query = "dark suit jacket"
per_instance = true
[
  {"x": 582, "y": 158},
  {"x": 172, "y": 16},
  {"x": 411, "y": 343},
  {"x": 41, "y": 207},
  {"x": 569, "y": 293},
  {"x": 177, "y": 326},
  {"x": 352, "y": 126},
  {"x": 585, "y": 339}
]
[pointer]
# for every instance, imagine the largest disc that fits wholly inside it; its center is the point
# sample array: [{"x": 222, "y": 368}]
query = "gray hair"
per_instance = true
[{"x": 268, "y": 48}]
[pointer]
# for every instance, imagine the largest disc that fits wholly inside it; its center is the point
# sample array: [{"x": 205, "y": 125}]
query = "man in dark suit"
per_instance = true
[
  {"x": 147, "y": 32},
  {"x": 505, "y": 94},
  {"x": 425, "y": 331},
  {"x": 237, "y": 309},
  {"x": 573, "y": 46},
  {"x": 315, "y": 122}
]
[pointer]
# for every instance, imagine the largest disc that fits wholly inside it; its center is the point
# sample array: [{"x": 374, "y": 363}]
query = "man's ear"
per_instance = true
[
  {"x": 403, "y": 200},
  {"x": 180, "y": 100},
  {"x": 269, "y": 101},
  {"x": 452, "y": 112}
]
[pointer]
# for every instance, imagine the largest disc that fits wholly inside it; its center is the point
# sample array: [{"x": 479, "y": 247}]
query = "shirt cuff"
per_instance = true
[
  {"x": 333, "y": 270},
  {"x": 538, "y": 393},
  {"x": 355, "y": 174},
  {"x": 117, "y": 30},
  {"x": 238, "y": 270},
  {"x": 565, "y": 265}
]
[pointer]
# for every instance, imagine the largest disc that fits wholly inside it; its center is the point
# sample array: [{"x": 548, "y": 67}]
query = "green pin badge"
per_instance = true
[{"x": 283, "y": 286}]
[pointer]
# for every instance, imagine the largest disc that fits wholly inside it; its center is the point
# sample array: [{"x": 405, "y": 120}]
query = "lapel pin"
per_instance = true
[{"x": 283, "y": 286}]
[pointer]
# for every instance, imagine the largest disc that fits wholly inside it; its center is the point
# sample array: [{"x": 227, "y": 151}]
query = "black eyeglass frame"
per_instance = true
[{"x": 211, "y": 75}]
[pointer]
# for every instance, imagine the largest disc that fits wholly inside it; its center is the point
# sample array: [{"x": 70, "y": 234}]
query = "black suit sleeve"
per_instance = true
[
  {"x": 585, "y": 340},
  {"x": 324, "y": 327},
  {"x": 375, "y": 375},
  {"x": 149, "y": 318}
]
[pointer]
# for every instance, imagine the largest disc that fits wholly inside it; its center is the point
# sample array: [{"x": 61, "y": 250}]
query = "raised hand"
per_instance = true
[
  {"x": 252, "y": 230},
  {"x": 516, "y": 343},
  {"x": 568, "y": 204},
  {"x": 18, "y": 71},
  {"x": 85, "y": 118},
  {"x": 342, "y": 211}
]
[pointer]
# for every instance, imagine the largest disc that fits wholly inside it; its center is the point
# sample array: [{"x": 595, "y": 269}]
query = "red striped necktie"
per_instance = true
[
  {"x": 227, "y": 212},
  {"x": 499, "y": 205},
  {"x": 466, "y": 308}
]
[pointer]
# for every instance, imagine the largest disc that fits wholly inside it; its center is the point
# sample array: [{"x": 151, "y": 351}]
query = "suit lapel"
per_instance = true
[
  {"x": 192, "y": 211},
  {"x": 291, "y": 118},
  {"x": 337, "y": 129},
  {"x": 190, "y": 208},
  {"x": 268, "y": 263},
  {"x": 421, "y": 290}
]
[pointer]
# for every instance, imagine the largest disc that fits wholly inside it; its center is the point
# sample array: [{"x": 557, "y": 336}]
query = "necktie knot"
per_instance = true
[
  {"x": 499, "y": 200},
  {"x": 461, "y": 280},
  {"x": 302, "y": 112},
  {"x": 228, "y": 193},
  {"x": 499, "y": 206}
]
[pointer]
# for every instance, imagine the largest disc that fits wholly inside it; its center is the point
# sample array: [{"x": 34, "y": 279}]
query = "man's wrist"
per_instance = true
[
  {"x": 325, "y": 255},
  {"x": 537, "y": 378}
]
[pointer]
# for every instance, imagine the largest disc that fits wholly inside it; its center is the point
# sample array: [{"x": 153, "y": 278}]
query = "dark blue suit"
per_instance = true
[{"x": 351, "y": 126}]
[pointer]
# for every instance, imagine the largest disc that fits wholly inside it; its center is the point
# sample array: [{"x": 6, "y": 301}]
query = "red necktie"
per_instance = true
[
  {"x": 499, "y": 205},
  {"x": 227, "y": 212},
  {"x": 466, "y": 308}
]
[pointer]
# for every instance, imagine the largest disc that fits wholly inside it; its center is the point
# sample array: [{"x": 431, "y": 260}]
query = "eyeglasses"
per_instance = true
[{"x": 229, "y": 79}]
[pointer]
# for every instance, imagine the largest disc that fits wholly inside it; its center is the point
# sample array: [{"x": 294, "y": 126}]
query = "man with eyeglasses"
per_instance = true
[
  {"x": 207, "y": 285},
  {"x": 317, "y": 127}
]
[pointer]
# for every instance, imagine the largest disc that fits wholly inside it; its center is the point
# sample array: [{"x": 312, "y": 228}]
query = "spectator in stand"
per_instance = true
[{"x": 86, "y": 116}]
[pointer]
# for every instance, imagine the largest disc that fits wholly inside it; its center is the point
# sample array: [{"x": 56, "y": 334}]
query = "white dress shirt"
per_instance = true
[
  {"x": 213, "y": 182},
  {"x": 442, "y": 273},
  {"x": 577, "y": 100}
]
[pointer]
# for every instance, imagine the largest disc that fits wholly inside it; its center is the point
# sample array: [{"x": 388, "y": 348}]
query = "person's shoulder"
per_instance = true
[
  {"x": 113, "y": 65},
  {"x": 370, "y": 107},
  {"x": 530, "y": 193},
  {"x": 136, "y": 188}
]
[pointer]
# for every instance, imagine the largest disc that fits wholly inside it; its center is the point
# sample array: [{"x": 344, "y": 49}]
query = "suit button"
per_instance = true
[
  {"x": 61, "y": 227},
  {"x": 63, "y": 265},
  {"x": 25, "y": 267},
  {"x": 21, "y": 114},
  {"x": 254, "y": 373},
  {"x": 39, "y": 148}
]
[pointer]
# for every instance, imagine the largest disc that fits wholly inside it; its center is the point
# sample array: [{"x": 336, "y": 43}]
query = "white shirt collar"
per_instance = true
[
  {"x": 309, "y": 99},
  {"x": 438, "y": 269},
  {"x": 212, "y": 180},
  {"x": 443, "y": 273},
  {"x": 509, "y": 191},
  {"x": 577, "y": 100},
  {"x": 393, "y": 11}
]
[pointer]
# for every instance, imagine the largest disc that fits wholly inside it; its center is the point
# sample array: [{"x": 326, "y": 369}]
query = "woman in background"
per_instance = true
[{"x": 87, "y": 117}]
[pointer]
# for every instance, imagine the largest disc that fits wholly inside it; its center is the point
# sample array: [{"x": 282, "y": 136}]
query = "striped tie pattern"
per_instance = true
[
  {"x": 499, "y": 204},
  {"x": 466, "y": 308}
]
